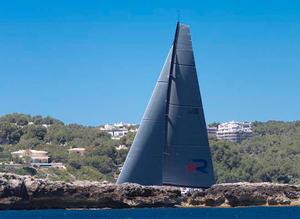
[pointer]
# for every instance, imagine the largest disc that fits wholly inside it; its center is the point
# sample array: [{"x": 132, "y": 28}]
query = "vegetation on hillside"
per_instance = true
[
  {"x": 273, "y": 154},
  {"x": 100, "y": 162}
]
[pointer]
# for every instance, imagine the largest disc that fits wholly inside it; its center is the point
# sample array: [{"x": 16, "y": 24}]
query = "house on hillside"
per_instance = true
[
  {"x": 32, "y": 156},
  {"x": 121, "y": 147},
  {"x": 119, "y": 130}
]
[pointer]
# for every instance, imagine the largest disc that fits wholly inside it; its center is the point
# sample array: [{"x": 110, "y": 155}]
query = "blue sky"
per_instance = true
[{"x": 93, "y": 62}]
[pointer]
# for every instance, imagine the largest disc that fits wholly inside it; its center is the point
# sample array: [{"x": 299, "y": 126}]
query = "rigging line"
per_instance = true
[{"x": 172, "y": 64}]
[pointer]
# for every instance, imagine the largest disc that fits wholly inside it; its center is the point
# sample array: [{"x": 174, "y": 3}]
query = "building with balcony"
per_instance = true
[
  {"x": 212, "y": 130},
  {"x": 32, "y": 156},
  {"x": 234, "y": 131}
]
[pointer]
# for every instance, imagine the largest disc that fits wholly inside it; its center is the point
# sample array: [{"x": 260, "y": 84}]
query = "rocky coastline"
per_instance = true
[
  {"x": 26, "y": 192},
  {"x": 244, "y": 194}
]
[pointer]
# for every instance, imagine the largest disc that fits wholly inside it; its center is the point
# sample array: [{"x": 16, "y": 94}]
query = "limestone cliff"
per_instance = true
[
  {"x": 244, "y": 194},
  {"x": 26, "y": 192}
]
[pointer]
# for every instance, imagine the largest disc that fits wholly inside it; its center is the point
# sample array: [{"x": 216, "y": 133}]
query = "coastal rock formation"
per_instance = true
[
  {"x": 25, "y": 192},
  {"x": 244, "y": 194}
]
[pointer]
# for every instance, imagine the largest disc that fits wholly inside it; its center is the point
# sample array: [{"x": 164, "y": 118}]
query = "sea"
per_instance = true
[{"x": 160, "y": 213}]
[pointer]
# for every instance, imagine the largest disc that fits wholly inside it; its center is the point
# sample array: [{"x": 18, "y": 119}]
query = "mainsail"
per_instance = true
[{"x": 171, "y": 145}]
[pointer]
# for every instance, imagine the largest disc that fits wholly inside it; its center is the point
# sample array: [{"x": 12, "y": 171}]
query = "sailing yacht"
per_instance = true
[{"x": 171, "y": 146}]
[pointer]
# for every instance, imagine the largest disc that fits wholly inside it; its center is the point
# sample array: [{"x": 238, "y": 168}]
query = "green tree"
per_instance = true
[{"x": 9, "y": 133}]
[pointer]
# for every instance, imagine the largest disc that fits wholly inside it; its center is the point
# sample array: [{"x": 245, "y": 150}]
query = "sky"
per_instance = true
[{"x": 93, "y": 62}]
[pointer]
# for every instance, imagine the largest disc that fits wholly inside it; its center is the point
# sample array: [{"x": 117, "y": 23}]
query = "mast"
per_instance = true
[{"x": 170, "y": 78}]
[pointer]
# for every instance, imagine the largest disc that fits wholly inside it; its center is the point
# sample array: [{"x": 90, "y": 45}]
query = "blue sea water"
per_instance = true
[{"x": 161, "y": 213}]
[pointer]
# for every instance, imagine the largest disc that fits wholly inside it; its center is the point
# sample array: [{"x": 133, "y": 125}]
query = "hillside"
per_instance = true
[{"x": 272, "y": 155}]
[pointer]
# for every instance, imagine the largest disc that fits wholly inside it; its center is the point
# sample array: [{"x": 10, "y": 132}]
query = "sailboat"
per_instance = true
[{"x": 171, "y": 146}]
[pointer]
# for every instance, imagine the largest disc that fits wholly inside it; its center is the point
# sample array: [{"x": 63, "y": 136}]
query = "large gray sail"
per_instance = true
[
  {"x": 187, "y": 157},
  {"x": 171, "y": 146},
  {"x": 144, "y": 162}
]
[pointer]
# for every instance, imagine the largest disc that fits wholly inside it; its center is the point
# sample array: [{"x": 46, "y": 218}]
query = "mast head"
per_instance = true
[{"x": 178, "y": 16}]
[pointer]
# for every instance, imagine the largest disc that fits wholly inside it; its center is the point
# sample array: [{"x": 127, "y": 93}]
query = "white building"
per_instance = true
[
  {"x": 33, "y": 155},
  {"x": 117, "y": 134},
  {"x": 107, "y": 127},
  {"x": 118, "y": 130},
  {"x": 212, "y": 130},
  {"x": 234, "y": 131},
  {"x": 121, "y": 147}
]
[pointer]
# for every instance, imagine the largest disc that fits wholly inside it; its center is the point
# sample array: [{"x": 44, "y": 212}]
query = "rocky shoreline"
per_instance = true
[
  {"x": 244, "y": 194},
  {"x": 26, "y": 192}
]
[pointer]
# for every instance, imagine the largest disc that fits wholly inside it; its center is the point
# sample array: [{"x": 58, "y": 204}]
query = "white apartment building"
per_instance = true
[
  {"x": 117, "y": 134},
  {"x": 234, "y": 131},
  {"x": 118, "y": 130},
  {"x": 212, "y": 130}
]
